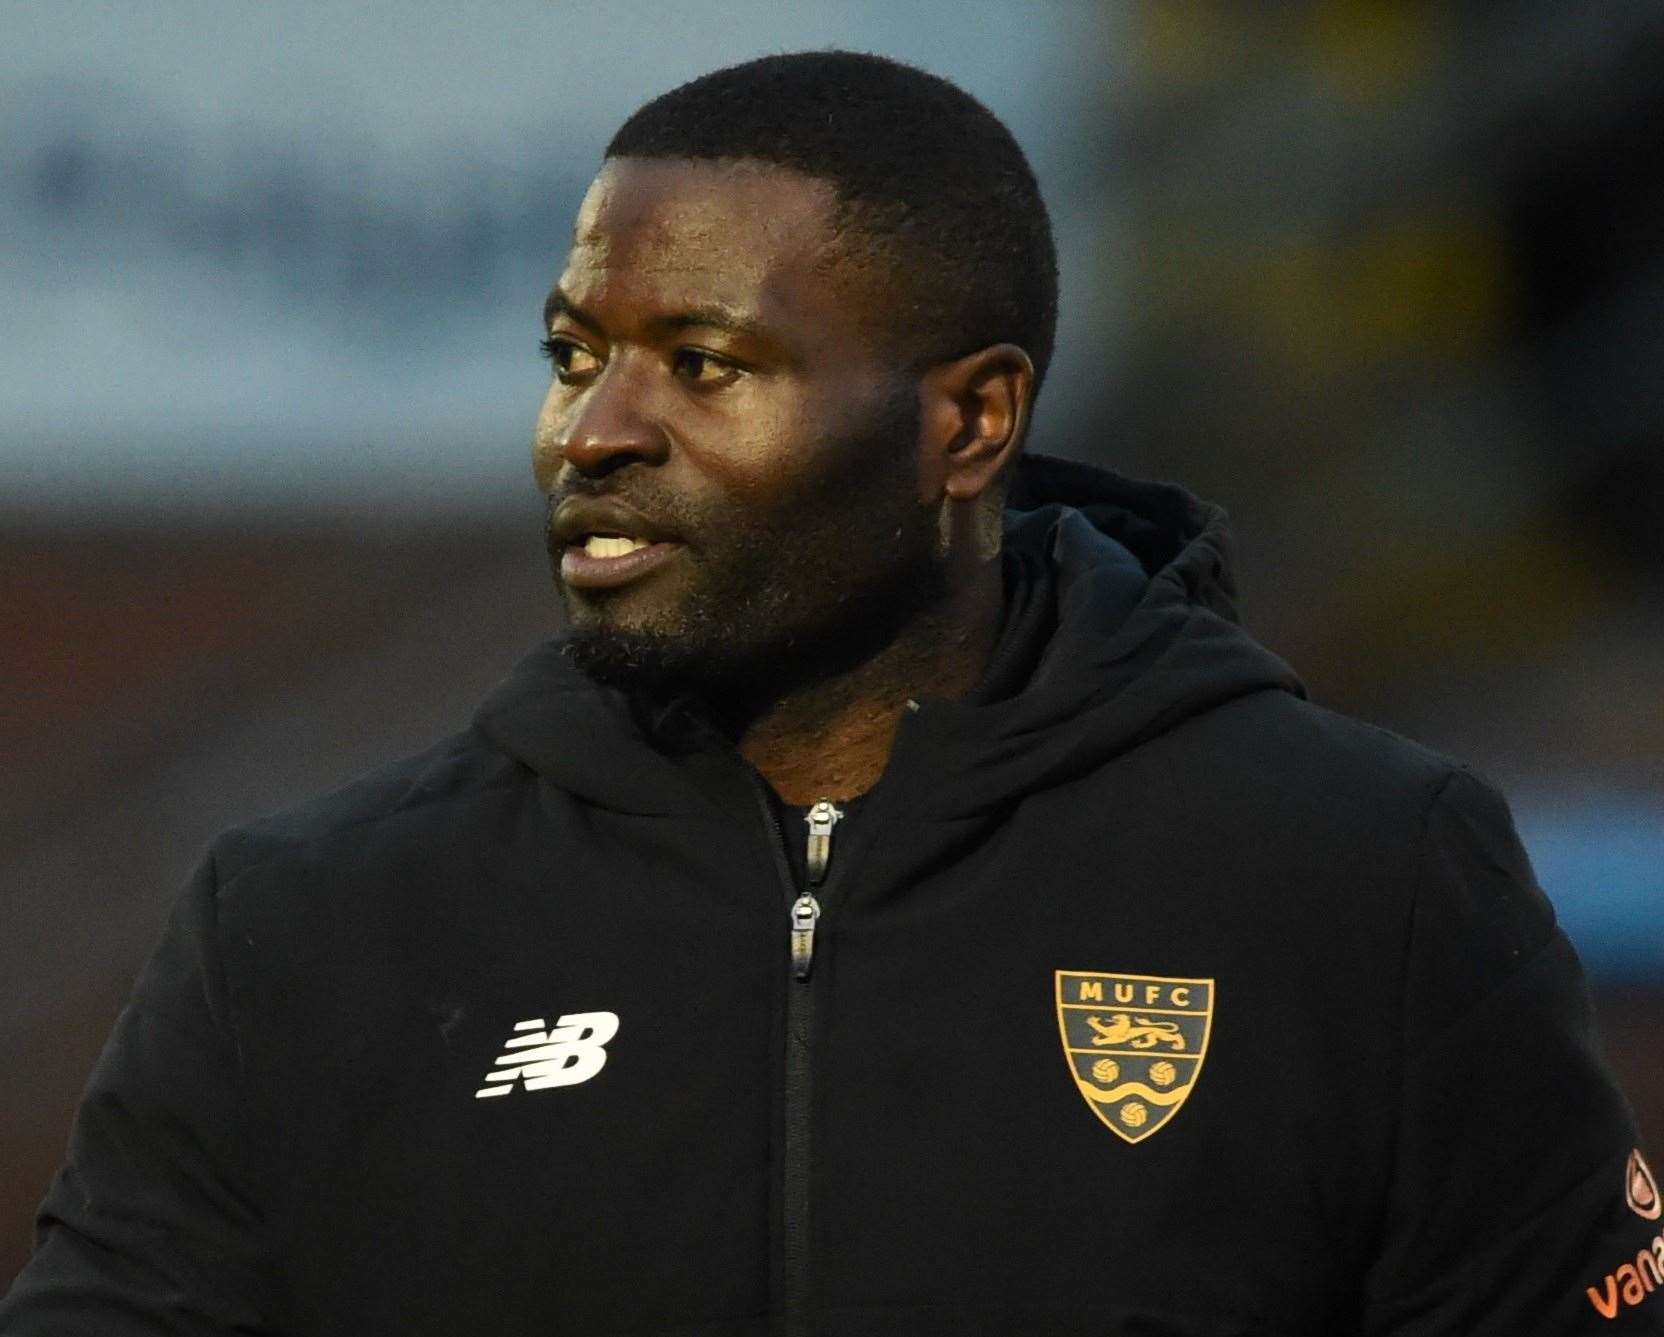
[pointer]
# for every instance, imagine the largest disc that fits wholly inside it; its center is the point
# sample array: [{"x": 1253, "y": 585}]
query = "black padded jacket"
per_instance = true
[{"x": 1140, "y": 996}]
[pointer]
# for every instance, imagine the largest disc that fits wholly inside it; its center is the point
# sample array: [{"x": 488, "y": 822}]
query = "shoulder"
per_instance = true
[
  {"x": 1298, "y": 747},
  {"x": 1372, "y": 822},
  {"x": 1306, "y": 778},
  {"x": 1462, "y": 881},
  {"x": 407, "y": 802}
]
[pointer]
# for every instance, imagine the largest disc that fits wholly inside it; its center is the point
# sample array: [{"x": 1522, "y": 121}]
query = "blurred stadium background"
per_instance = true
[{"x": 1385, "y": 278}]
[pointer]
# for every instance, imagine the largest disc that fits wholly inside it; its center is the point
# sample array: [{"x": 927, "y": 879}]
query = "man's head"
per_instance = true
[
  {"x": 808, "y": 303},
  {"x": 931, "y": 190}
]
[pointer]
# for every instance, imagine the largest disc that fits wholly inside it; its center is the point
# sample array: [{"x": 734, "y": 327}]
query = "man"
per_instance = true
[{"x": 864, "y": 920}]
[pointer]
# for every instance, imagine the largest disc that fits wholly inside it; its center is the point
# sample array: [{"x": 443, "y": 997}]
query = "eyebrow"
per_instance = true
[
  {"x": 710, "y": 315},
  {"x": 558, "y": 303}
]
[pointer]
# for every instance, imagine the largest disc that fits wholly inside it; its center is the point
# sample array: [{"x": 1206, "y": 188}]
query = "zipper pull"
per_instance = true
[
  {"x": 805, "y": 911},
  {"x": 822, "y": 818}
]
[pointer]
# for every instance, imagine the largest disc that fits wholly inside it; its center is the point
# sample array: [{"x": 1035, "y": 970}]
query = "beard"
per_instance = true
[{"x": 821, "y": 580}]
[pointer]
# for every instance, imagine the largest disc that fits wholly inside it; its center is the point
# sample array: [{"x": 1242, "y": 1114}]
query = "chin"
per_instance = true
[{"x": 634, "y": 658}]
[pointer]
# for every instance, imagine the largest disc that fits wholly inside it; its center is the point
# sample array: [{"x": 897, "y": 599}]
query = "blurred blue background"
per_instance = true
[{"x": 1384, "y": 278}]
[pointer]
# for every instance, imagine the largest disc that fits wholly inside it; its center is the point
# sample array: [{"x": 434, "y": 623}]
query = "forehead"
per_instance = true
[{"x": 662, "y": 233}]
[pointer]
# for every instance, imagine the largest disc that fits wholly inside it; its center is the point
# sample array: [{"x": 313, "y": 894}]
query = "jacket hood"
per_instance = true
[{"x": 1139, "y": 634}]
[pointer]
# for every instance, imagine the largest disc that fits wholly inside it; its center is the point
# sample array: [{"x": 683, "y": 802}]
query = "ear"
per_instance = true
[{"x": 973, "y": 416}]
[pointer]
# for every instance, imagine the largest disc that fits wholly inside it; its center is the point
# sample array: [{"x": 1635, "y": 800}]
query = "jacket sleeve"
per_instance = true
[
  {"x": 150, "y": 1227},
  {"x": 1507, "y": 1214}
]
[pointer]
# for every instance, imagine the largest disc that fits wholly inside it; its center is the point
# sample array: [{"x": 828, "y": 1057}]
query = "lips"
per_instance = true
[
  {"x": 605, "y": 544},
  {"x": 577, "y": 518}
]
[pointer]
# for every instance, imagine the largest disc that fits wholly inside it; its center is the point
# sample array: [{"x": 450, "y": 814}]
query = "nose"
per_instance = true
[{"x": 602, "y": 430}]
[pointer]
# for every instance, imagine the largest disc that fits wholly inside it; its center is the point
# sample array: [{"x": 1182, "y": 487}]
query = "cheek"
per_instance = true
[
  {"x": 829, "y": 470},
  {"x": 757, "y": 448}
]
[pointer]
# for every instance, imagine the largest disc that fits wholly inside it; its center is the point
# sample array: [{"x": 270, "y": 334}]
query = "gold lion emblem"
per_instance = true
[{"x": 1137, "y": 1032}]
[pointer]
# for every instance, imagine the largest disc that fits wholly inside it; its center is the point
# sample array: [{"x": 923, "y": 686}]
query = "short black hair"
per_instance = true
[{"x": 932, "y": 179}]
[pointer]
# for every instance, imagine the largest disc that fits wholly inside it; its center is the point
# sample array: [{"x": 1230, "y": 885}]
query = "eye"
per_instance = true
[
  {"x": 572, "y": 361},
  {"x": 703, "y": 369}
]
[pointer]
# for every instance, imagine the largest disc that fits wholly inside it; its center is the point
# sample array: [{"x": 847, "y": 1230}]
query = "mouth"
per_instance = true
[
  {"x": 604, "y": 543},
  {"x": 610, "y": 545},
  {"x": 606, "y": 561}
]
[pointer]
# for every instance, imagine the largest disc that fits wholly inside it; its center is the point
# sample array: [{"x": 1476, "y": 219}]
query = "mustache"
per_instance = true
[
  {"x": 664, "y": 509},
  {"x": 649, "y": 501}
]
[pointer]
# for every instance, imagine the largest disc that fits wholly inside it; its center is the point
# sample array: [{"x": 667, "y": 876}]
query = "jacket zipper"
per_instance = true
[
  {"x": 804, "y": 914},
  {"x": 806, "y": 910}
]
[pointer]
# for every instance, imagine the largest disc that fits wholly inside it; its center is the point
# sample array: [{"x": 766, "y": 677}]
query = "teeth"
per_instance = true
[{"x": 608, "y": 545}]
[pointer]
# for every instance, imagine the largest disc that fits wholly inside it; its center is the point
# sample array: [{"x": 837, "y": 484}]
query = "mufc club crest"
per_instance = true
[{"x": 1134, "y": 1044}]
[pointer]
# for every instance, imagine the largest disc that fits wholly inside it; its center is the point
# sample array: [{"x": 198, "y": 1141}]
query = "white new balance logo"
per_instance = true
[{"x": 571, "y": 1051}]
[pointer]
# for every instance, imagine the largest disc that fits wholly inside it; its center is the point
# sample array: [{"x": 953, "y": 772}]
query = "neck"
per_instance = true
[{"x": 832, "y": 738}]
